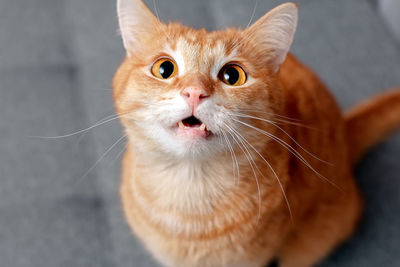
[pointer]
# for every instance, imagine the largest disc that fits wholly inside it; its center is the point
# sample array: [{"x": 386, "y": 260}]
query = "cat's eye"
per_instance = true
[
  {"x": 164, "y": 68},
  {"x": 233, "y": 75}
]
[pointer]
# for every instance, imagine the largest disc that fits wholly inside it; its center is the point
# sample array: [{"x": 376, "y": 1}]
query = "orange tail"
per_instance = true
[{"x": 371, "y": 121}]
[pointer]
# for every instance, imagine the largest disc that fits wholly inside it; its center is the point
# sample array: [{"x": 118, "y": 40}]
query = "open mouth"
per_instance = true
[
  {"x": 193, "y": 126},
  {"x": 192, "y": 122}
]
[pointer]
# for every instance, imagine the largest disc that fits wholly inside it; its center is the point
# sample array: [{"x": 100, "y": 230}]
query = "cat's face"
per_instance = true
[{"x": 181, "y": 90}]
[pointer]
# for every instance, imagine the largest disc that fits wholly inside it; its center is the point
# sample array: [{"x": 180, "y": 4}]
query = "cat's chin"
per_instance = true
[{"x": 193, "y": 140}]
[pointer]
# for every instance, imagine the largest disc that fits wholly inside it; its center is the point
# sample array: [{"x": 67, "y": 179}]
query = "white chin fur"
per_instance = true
[{"x": 181, "y": 147}]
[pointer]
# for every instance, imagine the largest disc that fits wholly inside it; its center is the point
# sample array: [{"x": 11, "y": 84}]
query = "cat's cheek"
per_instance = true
[
  {"x": 213, "y": 114},
  {"x": 163, "y": 138}
]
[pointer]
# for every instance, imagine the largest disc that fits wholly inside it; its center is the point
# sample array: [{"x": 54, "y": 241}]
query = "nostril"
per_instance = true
[
  {"x": 185, "y": 93},
  {"x": 201, "y": 96},
  {"x": 194, "y": 93}
]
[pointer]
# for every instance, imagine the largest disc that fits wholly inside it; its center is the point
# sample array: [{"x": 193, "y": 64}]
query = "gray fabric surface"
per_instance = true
[
  {"x": 390, "y": 10},
  {"x": 57, "y": 59}
]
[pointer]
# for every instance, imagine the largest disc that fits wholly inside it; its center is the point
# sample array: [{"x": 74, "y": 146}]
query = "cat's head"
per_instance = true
[{"x": 182, "y": 91}]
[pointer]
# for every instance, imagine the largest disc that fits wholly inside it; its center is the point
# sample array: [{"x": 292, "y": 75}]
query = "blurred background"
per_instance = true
[{"x": 59, "y": 201}]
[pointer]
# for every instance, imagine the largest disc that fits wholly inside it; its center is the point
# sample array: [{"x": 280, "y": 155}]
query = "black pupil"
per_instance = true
[
  {"x": 231, "y": 75},
  {"x": 166, "y": 69}
]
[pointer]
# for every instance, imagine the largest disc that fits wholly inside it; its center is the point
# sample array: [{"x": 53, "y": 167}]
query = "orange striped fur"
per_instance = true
[{"x": 288, "y": 193}]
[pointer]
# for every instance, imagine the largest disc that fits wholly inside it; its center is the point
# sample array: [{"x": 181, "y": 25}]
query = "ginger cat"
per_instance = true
[{"x": 237, "y": 153}]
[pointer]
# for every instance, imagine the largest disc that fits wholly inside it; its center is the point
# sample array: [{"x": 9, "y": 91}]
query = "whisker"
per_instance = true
[
  {"x": 272, "y": 170},
  {"x": 99, "y": 160},
  {"x": 236, "y": 162},
  {"x": 221, "y": 141},
  {"x": 283, "y": 122},
  {"x": 251, "y": 162},
  {"x": 280, "y": 141},
  {"x": 286, "y": 133},
  {"x": 158, "y": 17},
  {"x": 97, "y": 124},
  {"x": 292, "y": 150},
  {"x": 155, "y": 10},
  {"x": 271, "y": 114},
  {"x": 99, "y": 121},
  {"x": 246, "y": 148},
  {"x": 120, "y": 153},
  {"x": 253, "y": 14},
  {"x": 235, "y": 166},
  {"x": 305, "y": 150},
  {"x": 76, "y": 133}
]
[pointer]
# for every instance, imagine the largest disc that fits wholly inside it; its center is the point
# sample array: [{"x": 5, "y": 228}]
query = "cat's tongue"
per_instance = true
[{"x": 192, "y": 130}]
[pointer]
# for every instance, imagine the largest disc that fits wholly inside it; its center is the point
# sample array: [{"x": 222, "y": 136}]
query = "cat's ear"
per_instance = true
[
  {"x": 135, "y": 19},
  {"x": 274, "y": 32}
]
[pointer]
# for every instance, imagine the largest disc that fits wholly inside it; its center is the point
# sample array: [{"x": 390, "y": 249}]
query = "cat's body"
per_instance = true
[{"x": 241, "y": 197}]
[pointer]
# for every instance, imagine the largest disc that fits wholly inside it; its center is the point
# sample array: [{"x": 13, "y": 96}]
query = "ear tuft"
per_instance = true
[
  {"x": 275, "y": 32},
  {"x": 135, "y": 19}
]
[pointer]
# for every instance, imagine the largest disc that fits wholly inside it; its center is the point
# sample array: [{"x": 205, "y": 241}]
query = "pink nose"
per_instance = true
[{"x": 194, "y": 95}]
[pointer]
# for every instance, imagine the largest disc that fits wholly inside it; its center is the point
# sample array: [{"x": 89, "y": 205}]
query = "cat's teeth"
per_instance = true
[
  {"x": 202, "y": 127},
  {"x": 180, "y": 124}
]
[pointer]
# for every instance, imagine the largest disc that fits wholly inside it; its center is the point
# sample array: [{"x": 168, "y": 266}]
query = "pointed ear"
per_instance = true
[
  {"x": 135, "y": 19},
  {"x": 274, "y": 32}
]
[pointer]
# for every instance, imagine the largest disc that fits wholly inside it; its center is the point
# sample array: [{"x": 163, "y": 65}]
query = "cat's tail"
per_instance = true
[{"x": 371, "y": 121}]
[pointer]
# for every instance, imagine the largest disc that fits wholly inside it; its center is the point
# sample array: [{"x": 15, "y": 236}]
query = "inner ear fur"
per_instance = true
[
  {"x": 135, "y": 20},
  {"x": 274, "y": 33}
]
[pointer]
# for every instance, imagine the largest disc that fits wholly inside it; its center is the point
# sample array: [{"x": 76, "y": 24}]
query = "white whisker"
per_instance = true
[
  {"x": 97, "y": 124},
  {"x": 283, "y": 122},
  {"x": 158, "y": 17},
  {"x": 272, "y": 170},
  {"x": 271, "y": 114},
  {"x": 292, "y": 150},
  {"x": 99, "y": 160},
  {"x": 286, "y": 133},
  {"x": 235, "y": 167},
  {"x": 255, "y": 177},
  {"x": 253, "y": 14},
  {"x": 251, "y": 162},
  {"x": 120, "y": 153}
]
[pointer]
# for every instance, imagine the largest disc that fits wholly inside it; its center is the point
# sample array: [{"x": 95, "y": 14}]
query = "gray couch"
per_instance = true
[{"x": 57, "y": 59}]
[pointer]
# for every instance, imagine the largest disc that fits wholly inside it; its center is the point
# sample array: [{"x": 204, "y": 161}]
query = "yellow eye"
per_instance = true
[
  {"x": 233, "y": 75},
  {"x": 164, "y": 68}
]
